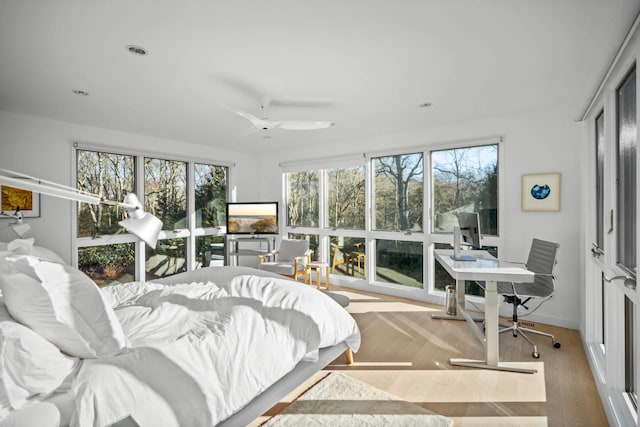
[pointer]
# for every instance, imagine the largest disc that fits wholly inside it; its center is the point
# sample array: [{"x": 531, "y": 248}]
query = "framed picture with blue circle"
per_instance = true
[{"x": 541, "y": 192}]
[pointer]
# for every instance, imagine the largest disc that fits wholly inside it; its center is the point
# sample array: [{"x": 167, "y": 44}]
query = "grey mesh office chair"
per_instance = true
[{"x": 541, "y": 260}]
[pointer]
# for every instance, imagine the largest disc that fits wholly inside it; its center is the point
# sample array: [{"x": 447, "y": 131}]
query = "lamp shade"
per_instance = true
[
  {"x": 146, "y": 227},
  {"x": 21, "y": 228}
]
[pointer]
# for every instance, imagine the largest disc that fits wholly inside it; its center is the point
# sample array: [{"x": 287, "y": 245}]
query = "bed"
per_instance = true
[{"x": 214, "y": 346}]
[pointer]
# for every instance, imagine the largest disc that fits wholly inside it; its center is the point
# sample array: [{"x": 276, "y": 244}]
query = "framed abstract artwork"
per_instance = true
[
  {"x": 541, "y": 192},
  {"x": 13, "y": 199}
]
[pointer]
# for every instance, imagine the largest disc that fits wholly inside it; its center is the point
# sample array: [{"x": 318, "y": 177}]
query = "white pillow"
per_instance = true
[
  {"x": 30, "y": 366},
  {"x": 27, "y": 247},
  {"x": 63, "y": 305}
]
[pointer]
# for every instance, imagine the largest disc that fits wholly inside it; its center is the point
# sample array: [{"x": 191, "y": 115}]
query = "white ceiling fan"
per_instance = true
[{"x": 264, "y": 123}]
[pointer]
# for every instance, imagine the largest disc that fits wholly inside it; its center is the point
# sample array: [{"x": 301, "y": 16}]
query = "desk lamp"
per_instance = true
[
  {"x": 20, "y": 227},
  {"x": 140, "y": 223}
]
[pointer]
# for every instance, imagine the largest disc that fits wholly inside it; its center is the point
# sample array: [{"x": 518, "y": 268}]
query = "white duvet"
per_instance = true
[{"x": 201, "y": 351}]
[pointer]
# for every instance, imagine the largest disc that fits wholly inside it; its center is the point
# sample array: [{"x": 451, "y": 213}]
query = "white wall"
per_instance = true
[
  {"x": 43, "y": 148},
  {"x": 535, "y": 142}
]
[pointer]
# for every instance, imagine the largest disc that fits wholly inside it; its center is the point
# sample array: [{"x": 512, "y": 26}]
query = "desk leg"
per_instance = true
[
  {"x": 491, "y": 340},
  {"x": 326, "y": 277},
  {"x": 492, "y": 345}
]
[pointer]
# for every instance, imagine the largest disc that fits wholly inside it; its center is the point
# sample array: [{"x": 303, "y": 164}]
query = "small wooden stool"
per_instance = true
[{"x": 318, "y": 266}]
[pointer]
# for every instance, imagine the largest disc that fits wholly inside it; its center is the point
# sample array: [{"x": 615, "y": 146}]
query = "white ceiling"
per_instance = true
[{"x": 366, "y": 65}]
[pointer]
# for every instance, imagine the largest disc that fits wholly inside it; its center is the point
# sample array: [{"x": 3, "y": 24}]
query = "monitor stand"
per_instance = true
[{"x": 456, "y": 247}]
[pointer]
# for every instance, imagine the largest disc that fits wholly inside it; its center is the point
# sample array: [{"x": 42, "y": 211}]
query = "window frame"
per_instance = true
[
  {"x": 190, "y": 233},
  {"x": 425, "y": 237}
]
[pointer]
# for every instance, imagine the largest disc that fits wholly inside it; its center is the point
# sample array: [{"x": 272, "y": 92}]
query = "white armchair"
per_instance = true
[{"x": 291, "y": 259}]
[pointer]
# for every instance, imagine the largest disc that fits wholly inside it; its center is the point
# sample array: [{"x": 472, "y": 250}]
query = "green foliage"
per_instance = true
[
  {"x": 98, "y": 257},
  {"x": 210, "y": 195}
]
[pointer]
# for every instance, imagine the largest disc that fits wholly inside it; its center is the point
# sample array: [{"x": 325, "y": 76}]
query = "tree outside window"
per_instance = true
[
  {"x": 165, "y": 191},
  {"x": 399, "y": 189},
  {"x": 211, "y": 195},
  {"x": 110, "y": 176},
  {"x": 302, "y": 200},
  {"x": 465, "y": 180},
  {"x": 107, "y": 175},
  {"x": 346, "y": 198}
]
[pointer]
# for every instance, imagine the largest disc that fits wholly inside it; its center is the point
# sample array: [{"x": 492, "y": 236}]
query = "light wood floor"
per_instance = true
[{"x": 404, "y": 352}]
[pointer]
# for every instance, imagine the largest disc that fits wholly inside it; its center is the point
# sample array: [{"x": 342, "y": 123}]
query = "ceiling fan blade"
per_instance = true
[
  {"x": 304, "y": 124},
  {"x": 253, "y": 119},
  {"x": 248, "y": 132},
  {"x": 296, "y": 103}
]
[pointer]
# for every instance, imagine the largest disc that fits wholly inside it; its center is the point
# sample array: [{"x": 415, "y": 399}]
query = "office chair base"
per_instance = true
[{"x": 516, "y": 329}]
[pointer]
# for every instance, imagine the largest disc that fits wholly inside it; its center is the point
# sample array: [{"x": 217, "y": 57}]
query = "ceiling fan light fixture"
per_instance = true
[{"x": 137, "y": 50}]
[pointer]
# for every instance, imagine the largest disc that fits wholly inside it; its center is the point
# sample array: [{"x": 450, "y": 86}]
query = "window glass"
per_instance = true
[
  {"x": 399, "y": 262},
  {"x": 626, "y": 173},
  {"x": 314, "y": 245},
  {"x": 210, "y": 251},
  {"x": 465, "y": 180},
  {"x": 302, "y": 199},
  {"x": 347, "y": 256},
  {"x": 112, "y": 176},
  {"x": 169, "y": 257},
  {"x": 108, "y": 264},
  {"x": 165, "y": 191},
  {"x": 107, "y": 175},
  {"x": 210, "y": 195},
  {"x": 346, "y": 199},
  {"x": 399, "y": 187}
]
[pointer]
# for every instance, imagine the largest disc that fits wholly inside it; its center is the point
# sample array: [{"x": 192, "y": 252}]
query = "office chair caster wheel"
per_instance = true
[
  {"x": 536, "y": 354},
  {"x": 556, "y": 345}
]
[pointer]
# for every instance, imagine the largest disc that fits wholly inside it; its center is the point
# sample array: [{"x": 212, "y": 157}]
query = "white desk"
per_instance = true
[{"x": 489, "y": 270}]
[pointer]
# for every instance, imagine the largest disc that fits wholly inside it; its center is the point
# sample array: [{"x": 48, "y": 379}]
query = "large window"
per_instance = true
[
  {"x": 211, "y": 195},
  {"x": 465, "y": 180},
  {"x": 302, "y": 203},
  {"x": 108, "y": 264},
  {"x": 108, "y": 254},
  {"x": 399, "y": 192},
  {"x": 346, "y": 198},
  {"x": 368, "y": 219},
  {"x": 107, "y": 175},
  {"x": 399, "y": 262},
  {"x": 347, "y": 256},
  {"x": 165, "y": 191}
]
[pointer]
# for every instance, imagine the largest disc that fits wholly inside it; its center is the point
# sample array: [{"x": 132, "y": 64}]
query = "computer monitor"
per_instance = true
[{"x": 468, "y": 233}]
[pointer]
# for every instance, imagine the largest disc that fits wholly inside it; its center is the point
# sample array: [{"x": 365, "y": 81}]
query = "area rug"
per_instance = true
[{"x": 339, "y": 400}]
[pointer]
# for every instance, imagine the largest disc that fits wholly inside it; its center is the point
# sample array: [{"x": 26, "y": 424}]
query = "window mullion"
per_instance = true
[{"x": 140, "y": 247}]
